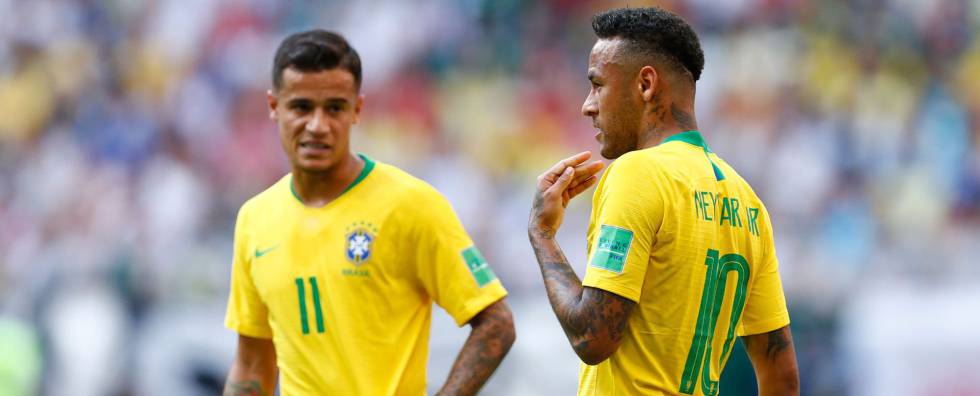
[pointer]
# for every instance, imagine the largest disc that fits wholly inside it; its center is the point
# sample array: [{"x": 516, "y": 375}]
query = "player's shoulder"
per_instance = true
[
  {"x": 413, "y": 201},
  {"x": 639, "y": 163},
  {"x": 619, "y": 181},
  {"x": 733, "y": 177},
  {"x": 404, "y": 186}
]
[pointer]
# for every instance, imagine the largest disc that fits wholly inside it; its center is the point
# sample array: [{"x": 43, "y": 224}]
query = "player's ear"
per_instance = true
[
  {"x": 648, "y": 82},
  {"x": 357, "y": 108},
  {"x": 273, "y": 100}
]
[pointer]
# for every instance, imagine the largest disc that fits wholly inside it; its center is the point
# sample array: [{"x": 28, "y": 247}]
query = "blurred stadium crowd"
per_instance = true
[{"x": 131, "y": 131}]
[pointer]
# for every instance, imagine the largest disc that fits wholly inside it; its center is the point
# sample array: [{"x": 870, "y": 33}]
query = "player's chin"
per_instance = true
[
  {"x": 319, "y": 165},
  {"x": 608, "y": 151}
]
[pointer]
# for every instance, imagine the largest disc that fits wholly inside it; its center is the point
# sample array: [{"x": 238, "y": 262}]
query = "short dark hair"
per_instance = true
[
  {"x": 653, "y": 31},
  {"x": 315, "y": 50}
]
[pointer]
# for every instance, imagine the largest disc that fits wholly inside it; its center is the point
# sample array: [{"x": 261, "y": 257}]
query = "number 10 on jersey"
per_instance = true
[{"x": 712, "y": 297}]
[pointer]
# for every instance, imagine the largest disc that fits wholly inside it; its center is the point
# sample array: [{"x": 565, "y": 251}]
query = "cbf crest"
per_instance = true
[{"x": 360, "y": 242}]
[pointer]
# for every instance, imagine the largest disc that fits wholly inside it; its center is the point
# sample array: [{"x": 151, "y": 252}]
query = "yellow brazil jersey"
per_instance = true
[
  {"x": 679, "y": 232},
  {"x": 345, "y": 291}
]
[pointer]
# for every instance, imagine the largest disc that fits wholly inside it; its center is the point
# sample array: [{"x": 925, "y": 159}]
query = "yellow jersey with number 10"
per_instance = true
[
  {"x": 345, "y": 291},
  {"x": 679, "y": 232}
]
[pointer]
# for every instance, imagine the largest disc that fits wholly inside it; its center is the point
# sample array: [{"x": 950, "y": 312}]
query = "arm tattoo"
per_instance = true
[
  {"x": 587, "y": 315},
  {"x": 773, "y": 343},
  {"x": 774, "y": 361},
  {"x": 488, "y": 343},
  {"x": 244, "y": 388},
  {"x": 777, "y": 343}
]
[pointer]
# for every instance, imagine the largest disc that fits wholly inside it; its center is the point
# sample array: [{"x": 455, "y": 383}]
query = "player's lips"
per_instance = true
[{"x": 313, "y": 148}]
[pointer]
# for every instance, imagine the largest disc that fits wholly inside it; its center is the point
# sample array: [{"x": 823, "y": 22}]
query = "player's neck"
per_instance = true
[
  {"x": 678, "y": 119},
  {"x": 316, "y": 189},
  {"x": 656, "y": 136}
]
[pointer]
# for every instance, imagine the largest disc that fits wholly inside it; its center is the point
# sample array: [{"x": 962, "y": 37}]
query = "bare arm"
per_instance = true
[
  {"x": 491, "y": 336},
  {"x": 593, "y": 319},
  {"x": 253, "y": 373},
  {"x": 774, "y": 360}
]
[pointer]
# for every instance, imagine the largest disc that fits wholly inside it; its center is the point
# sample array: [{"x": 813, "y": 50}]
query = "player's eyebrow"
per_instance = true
[
  {"x": 298, "y": 101},
  {"x": 338, "y": 100},
  {"x": 308, "y": 101},
  {"x": 593, "y": 76}
]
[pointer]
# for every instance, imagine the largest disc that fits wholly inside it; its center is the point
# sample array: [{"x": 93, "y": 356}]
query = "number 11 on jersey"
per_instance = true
[
  {"x": 712, "y": 297},
  {"x": 301, "y": 290}
]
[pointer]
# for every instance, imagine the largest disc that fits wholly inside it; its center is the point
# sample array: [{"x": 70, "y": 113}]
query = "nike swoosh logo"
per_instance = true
[{"x": 260, "y": 253}]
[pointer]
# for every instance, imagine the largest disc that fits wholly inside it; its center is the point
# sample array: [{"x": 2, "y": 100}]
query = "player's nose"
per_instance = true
[
  {"x": 590, "y": 108},
  {"x": 318, "y": 123}
]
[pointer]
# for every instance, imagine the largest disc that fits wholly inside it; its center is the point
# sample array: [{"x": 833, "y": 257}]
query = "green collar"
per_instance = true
[
  {"x": 694, "y": 138},
  {"x": 368, "y": 167},
  {"x": 689, "y": 137}
]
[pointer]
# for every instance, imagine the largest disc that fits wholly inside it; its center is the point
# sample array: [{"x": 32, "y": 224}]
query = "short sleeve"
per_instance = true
[
  {"x": 246, "y": 313},
  {"x": 765, "y": 307},
  {"x": 450, "y": 268},
  {"x": 625, "y": 218}
]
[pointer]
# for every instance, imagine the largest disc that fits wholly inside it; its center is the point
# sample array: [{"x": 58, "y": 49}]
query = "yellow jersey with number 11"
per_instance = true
[
  {"x": 675, "y": 229},
  {"x": 345, "y": 291}
]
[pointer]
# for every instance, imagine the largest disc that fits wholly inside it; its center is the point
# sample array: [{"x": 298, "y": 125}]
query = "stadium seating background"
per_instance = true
[{"x": 131, "y": 131}]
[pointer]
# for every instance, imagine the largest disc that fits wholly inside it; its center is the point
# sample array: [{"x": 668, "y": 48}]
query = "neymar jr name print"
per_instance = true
[{"x": 714, "y": 207}]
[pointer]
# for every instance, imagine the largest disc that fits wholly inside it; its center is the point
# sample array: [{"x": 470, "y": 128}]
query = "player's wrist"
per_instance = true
[
  {"x": 536, "y": 232},
  {"x": 540, "y": 235}
]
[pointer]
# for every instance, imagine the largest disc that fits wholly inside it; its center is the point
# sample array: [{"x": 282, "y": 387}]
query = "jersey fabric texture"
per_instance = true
[
  {"x": 345, "y": 291},
  {"x": 675, "y": 229}
]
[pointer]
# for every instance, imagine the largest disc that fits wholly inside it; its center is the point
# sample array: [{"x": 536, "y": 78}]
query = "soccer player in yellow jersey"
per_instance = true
[
  {"x": 680, "y": 253},
  {"x": 336, "y": 266}
]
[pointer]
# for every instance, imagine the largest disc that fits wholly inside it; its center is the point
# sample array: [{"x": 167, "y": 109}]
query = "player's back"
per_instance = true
[{"x": 703, "y": 268}]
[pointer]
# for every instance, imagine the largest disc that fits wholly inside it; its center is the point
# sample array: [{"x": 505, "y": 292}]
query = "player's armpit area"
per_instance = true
[
  {"x": 254, "y": 371},
  {"x": 597, "y": 331},
  {"x": 774, "y": 359},
  {"x": 491, "y": 336}
]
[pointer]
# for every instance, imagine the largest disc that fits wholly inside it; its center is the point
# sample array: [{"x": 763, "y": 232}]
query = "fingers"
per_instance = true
[
  {"x": 580, "y": 187},
  {"x": 574, "y": 160},
  {"x": 582, "y": 172},
  {"x": 564, "y": 180},
  {"x": 585, "y": 171}
]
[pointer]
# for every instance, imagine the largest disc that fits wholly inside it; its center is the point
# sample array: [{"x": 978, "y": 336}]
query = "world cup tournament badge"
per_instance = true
[{"x": 360, "y": 242}]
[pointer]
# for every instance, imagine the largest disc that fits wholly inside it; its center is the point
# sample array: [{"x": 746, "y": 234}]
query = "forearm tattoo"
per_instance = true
[
  {"x": 244, "y": 388},
  {"x": 585, "y": 315}
]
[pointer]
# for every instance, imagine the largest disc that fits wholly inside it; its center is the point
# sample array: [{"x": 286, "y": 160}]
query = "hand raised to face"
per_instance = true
[{"x": 556, "y": 187}]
